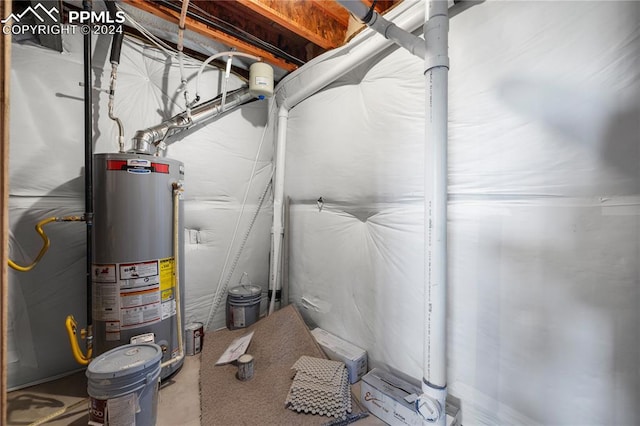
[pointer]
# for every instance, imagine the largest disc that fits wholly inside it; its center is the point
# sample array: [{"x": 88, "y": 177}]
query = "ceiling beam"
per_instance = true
[
  {"x": 171, "y": 15},
  {"x": 302, "y": 18},
  {"x": 334, "y": 10},
  {"x": 260, "y": 29}
]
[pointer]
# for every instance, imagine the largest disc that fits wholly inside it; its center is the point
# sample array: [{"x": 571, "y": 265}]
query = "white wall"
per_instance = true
[
  {"x": 47, "y": 179},
  {"x": 544, "y": 298},
  {"x": 544, "y": 200}
]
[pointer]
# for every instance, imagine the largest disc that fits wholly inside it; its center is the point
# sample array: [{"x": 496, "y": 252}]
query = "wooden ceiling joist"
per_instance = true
[
  {"x": 231, "y": 15},
  {"x": 171, "y": 15},
  {"x": 284, "y": 33},
  {"x": 302, "y": 18},
  {"x": 334, "y": 10}
]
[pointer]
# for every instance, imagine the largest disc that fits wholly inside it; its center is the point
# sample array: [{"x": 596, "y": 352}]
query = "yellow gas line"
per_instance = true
[
  {"x": 70, "y": 323},
  {"x": 45, "y": 240},
  {"x": 72, "y": 327}
]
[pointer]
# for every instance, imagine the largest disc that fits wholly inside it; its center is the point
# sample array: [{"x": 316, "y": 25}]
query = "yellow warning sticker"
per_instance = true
[{"x": 167, "y": 271}]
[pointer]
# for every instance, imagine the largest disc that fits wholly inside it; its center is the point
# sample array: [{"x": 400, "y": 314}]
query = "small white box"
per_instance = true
[
  {"x": 337, "y": 349},
  {"x": 387, "y": 397}
]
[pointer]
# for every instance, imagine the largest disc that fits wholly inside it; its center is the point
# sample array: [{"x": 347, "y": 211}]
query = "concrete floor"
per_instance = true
[{"x": 178, "y": 402}]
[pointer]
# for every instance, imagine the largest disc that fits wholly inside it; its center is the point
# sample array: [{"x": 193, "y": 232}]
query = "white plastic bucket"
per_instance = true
[{"x": 123, "y": 386}]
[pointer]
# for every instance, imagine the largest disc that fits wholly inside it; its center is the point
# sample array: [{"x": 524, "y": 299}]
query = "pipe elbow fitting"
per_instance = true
[{"x": 142, "y": 141}]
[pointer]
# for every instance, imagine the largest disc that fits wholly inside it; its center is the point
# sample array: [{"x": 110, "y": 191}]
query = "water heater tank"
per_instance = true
[{"x": 134, "y": 262}]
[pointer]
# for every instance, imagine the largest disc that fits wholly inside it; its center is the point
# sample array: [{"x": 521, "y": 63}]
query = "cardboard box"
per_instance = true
[
  {"x": 337, "y": 349},
  {"x": 392, "y": 400},
  {"x": 388, "y": 398}
]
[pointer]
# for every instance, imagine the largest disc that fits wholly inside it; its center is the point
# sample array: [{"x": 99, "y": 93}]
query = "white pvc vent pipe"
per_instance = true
[
  {"x": 388, "y": 29},
  {"x": 435, "y": 53},
  {"x": 434, "y": 382},
  {"x": 334, "y": 64}
]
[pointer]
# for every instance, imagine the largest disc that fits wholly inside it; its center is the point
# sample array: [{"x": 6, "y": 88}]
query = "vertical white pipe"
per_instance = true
[
  {"x": 434, "y": 384},
  {"x": 179, "y": 46},
  {"x": 358, "y": 50},
  {"x": 177, "y": 190},
  {"x": 278, "y": 197}
]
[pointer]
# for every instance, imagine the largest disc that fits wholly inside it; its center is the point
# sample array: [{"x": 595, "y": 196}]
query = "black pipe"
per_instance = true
[
  {"x": 116, "y": 42},
  {"x": 88, "y": 160}
]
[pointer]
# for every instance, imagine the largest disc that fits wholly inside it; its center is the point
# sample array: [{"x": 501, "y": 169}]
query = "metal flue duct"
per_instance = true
[{"x": 146, "y": 140}]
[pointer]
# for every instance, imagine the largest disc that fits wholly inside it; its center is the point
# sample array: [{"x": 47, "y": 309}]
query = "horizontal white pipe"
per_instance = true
[
  {"x": 433, "y": 401},
  {"x": 308, "y": 80},
  {"x": 327, "y": 68}
]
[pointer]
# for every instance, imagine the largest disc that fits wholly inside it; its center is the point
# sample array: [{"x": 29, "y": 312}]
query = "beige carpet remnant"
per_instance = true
[{"x": 278, "y": 342}]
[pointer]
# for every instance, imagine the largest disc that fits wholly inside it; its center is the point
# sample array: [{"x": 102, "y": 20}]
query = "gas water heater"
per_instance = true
[{"x": 138, "y": 247}]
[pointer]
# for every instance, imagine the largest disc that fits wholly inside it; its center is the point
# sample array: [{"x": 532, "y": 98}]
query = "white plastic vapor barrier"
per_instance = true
[
  {"x": 544, "y": 206},
  {"x": 543, "y": 323},
  {"x": 47, "y": 179}
]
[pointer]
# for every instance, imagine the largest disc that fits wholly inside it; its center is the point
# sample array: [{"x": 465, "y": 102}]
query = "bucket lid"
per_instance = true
[
  {"x": 125, "y": 360},
  {"x": 193, "y": 326},
  {"x": 245, "y": 291}
]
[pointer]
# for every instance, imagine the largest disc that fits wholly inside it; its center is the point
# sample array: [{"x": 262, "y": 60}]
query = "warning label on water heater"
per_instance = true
[
  {"x": 133, "y": 271},
  {"x": 133, "y": 295},
  {"x": 167, "y": 284}
]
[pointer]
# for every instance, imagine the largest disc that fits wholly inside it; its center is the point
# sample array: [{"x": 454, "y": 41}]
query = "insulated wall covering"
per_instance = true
[
  {"x": 47, "y": 179},
  {"x": 544, "y": 208}
]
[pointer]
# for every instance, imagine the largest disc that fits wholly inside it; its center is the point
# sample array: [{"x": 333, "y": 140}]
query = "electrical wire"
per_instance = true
[
  {"x": 156, "y": 41},
  {"x": 221, "y": 290},
  {"x": 226, "y": 278},
  {"x": 182, "y": 58},
  {"x": 239, "y": 33},
  {"x": 176, "y": 54}
]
